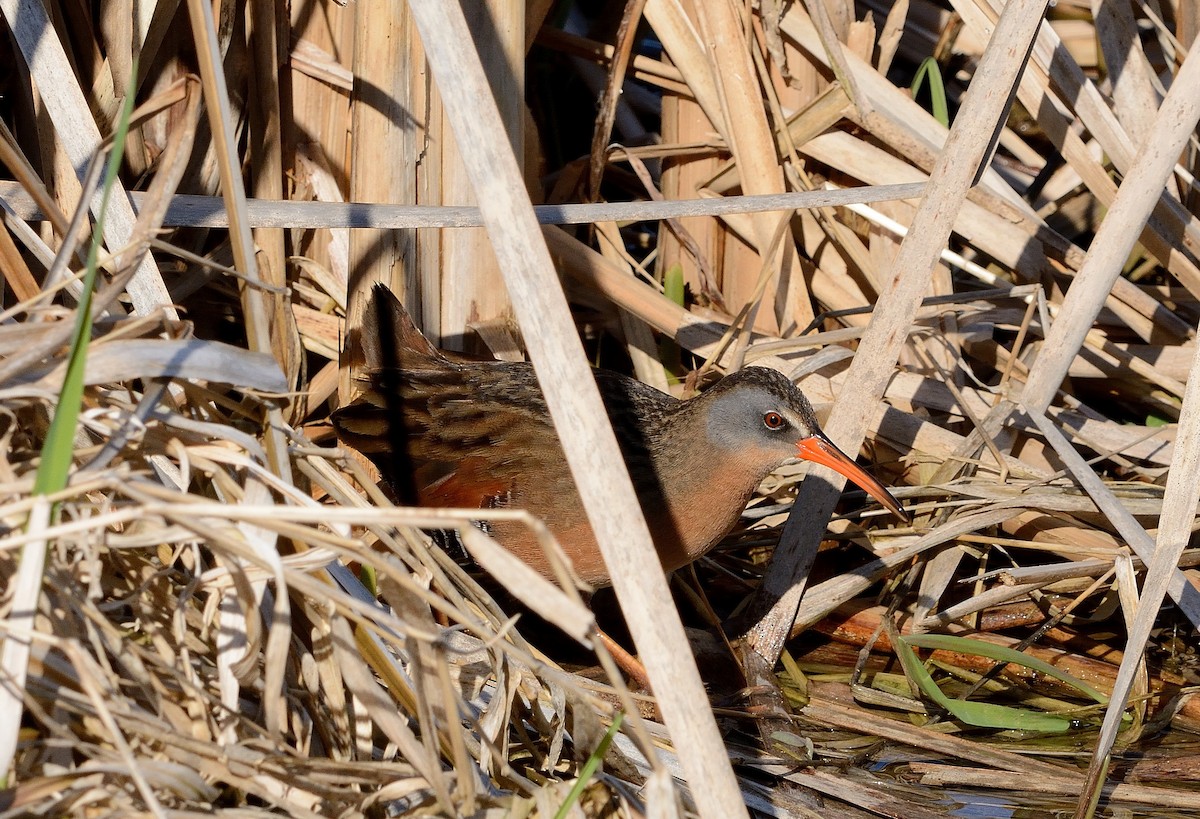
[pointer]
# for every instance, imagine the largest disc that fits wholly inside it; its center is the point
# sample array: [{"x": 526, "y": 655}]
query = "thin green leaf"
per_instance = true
[
  {"x": 589, "y": 767},
  {"x": 966, "y": 645},
  {"x": 58, "y": 450},
  {"x": 668, "y": 349},
  {"x": 981, "y": 714},
  {"x": 791, "y": 745},
  {"x": 673, "y": 284},
  {"x": 929, "y": 71},
  {"x": 369, "y": 577},
  {"x": 798, "y": 679}
]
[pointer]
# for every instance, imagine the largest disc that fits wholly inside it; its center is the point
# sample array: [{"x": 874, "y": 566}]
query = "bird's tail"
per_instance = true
[{"x": 390, "y": 340}]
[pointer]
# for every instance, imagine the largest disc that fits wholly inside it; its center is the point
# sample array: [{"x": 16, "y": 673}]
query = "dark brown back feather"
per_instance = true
[{"x": 423, "y": 415}]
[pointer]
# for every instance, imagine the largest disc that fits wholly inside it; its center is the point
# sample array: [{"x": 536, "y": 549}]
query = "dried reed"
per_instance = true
[{"x": 233, "y": 616}]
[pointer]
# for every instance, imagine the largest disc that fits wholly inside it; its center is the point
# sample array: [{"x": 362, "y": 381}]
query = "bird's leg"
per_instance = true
[{"x": 628, "y": 663}]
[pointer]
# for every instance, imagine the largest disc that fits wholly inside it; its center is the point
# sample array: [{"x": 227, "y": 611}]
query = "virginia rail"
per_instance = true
[{"x": 479, "y": 435}]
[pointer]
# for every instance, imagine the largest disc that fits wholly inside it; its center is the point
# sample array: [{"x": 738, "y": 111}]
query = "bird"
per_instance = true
[{"x": 478, "y": 435}]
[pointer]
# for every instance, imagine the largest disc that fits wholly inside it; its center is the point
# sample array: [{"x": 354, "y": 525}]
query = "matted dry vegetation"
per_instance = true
[{"x": 222, "y": 612}]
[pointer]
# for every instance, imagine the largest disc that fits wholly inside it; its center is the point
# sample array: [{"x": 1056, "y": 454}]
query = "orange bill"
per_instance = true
[{"x": 821, "y": 450}]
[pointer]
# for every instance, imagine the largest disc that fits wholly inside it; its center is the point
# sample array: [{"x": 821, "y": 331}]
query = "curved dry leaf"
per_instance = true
[{"x": 194, "y": 359}]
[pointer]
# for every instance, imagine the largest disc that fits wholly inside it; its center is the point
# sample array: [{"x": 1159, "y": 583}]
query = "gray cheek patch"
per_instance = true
[{"x": 736, "y": 419}]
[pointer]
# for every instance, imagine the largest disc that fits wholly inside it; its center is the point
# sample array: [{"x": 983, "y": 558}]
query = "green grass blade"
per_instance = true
[
  {"x": 668, "y": 350},
  {"x": 58, "y": 449},
  {"x": 966, "y": 645},
  {"x": 929, "y": 71},
  {"x": 797, "y": 677},
  {"x": 589, "y": 767},
  {"x": 980, "y": 714},
  {"x": 673, "y": 284}
]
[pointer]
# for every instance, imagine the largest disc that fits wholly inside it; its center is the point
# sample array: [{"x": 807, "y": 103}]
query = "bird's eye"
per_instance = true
[{"x": 774, "y": 421}]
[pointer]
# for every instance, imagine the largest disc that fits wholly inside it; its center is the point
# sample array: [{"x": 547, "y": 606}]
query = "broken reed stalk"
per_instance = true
[{"x": 574, "y": 403}]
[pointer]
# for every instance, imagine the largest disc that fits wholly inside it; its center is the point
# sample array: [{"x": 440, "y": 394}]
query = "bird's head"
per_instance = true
[{"x": 759, "y": 410}]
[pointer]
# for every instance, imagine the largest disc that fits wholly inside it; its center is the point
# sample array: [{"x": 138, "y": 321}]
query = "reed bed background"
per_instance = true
[{"x": 221, "y": 611}]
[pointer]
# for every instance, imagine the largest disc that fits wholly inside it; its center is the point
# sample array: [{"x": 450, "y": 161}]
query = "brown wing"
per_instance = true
[
  {"x": 458, "y": 435},
  {"x": 446, "y": 433}
]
